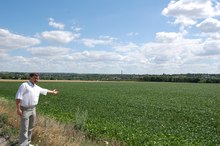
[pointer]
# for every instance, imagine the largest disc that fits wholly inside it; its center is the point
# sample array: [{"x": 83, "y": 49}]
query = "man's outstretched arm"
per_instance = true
[{"x": 53, "y": 91}]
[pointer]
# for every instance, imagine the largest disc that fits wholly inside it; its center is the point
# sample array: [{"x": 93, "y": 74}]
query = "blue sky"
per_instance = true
[{"x": 100, "y": 36}]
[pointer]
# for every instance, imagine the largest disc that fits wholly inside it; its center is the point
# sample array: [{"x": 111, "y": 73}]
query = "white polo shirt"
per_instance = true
[{"x": 29, "y": 94}]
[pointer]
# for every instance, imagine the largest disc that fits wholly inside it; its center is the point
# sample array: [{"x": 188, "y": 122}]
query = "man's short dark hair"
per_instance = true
[{"x": 34, "y": 74}]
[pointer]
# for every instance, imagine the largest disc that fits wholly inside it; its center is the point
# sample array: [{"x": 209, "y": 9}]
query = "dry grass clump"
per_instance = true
[
  {"x": 10, "y": 110},
  {"x": 47, "y": 131}
]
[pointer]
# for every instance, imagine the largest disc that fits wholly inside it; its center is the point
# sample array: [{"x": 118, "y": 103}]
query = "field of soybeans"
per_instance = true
[{"x": 135, "y": 113}]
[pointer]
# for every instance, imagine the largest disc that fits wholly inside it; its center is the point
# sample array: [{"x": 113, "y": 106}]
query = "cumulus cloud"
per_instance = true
[
  {"x": 210, "y": 48},
  {"x": 209, "y": 25},
  {"x": 209, "y": 28},
  {"x": 48, "y": 51},
  {"x": 186, "y": 12},
  {"x": 62, "y": 37},
  {"x": 92, "y": 42},
  {"x": 171, "y": 47},
  {"x": 101, "y": 56},
  {"x": 168, "y": 37},
  {"x": 56, "y": 24},
  {"x": 125, "y": 48},
  {"x": 10, "y": 40},
  {"x": 103, "y": 40},
  {"x": 4, "y": 56}
]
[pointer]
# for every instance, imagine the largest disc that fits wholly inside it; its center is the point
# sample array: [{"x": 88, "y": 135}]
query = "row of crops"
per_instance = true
[{"x": 135, "y": 113}]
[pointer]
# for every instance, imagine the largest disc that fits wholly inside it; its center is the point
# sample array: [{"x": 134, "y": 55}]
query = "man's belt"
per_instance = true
[{"x": 28, "y": 107}]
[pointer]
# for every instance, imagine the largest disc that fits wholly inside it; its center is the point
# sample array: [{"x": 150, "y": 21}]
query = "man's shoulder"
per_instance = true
[{"x": 24, "y": 84}]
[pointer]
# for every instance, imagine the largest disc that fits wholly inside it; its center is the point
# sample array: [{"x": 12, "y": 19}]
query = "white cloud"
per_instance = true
[
  {"x": 185, "y": 21},
  {"x": 125, "y": 48},
  {"x": 4, "y": 57},
  {"x": 10, "y": 41},
  {"x": 48, "y": 51},
  {"x": 171, "y": 48},
  {"x": 101, "y": 56},
  {"x": 103, "y": 40},
  {"x": 76, "y": 29},
  {"x": 168, "y": 37},
  {"x": 16, "y": 63},
  {"x": 92, "y": 42},
  {"x": 210, "y": 48},
  {"x": 186, "y": 12},
  {"x": 209, "y": 25},
  {"x": 59, "y": 36},
  {"x": 55, "y": 24}
]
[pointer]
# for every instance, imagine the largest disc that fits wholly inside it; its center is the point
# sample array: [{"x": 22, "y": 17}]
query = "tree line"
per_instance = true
[
  {"x": 192, "y": 78},
  {"x": 188, "y": 78}
]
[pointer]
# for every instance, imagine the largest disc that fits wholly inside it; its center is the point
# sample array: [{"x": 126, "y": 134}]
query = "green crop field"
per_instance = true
[{"x": 136, "y": 113}]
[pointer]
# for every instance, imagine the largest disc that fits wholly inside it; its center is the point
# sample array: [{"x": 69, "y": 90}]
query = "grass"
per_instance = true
[
  {"x": 46, "y": 132},
  {"x": 8, "y": 133},
  {"x": 136, "y": 113}
]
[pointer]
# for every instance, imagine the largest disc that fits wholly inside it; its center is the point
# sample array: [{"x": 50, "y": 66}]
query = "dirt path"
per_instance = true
[{"x": 8, "y": 80}]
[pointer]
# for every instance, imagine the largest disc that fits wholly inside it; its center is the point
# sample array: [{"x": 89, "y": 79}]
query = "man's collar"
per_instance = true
[{"x": 29, "y": 82}]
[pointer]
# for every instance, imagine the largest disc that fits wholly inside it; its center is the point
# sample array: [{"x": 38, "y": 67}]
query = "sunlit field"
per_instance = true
[{"x": 135, "y": 113}]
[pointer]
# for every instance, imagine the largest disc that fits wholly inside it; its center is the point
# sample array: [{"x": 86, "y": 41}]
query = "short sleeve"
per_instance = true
[
  {"x": 20, "y": 92},
  {"x": 43, "y": 91}
]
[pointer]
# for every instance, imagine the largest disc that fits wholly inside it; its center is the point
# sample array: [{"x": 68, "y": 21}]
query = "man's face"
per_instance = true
[{"x": 34, "y": 79}]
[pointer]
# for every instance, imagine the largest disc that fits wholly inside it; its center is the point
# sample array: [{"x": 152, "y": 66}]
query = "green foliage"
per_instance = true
[
  {"x": 8, "y": 132},
  {"x": 3, "y": 120},
  {"x": 81, "y": 118},
  {"x": 136, "y": 113}
]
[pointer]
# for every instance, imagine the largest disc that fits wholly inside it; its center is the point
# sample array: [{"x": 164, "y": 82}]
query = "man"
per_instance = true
[{"x": 26, "y": 100}]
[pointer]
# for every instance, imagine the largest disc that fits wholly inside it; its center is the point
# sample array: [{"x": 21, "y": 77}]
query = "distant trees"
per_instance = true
[
  {"x": 15, "y": 76},
  {"x": 192, "y": 78}
]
